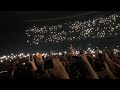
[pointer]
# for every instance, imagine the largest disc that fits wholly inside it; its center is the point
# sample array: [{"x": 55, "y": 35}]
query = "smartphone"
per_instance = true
[
  {"x": 100, "y": 58},
  {"x": 30, "y": 57},
  {"x": 48, "y": 64},
  {"x": 75, "y": 58},
  {"x": 81, "y": 52}
]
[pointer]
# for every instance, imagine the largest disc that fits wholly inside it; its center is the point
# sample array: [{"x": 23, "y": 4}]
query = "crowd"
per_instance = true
[
  {"x": 100, "y": 64},
  {"x": 74, "y": 30}
]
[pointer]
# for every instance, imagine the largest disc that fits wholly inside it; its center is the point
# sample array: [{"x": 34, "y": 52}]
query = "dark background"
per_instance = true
[{"x": 12, "y": 25}]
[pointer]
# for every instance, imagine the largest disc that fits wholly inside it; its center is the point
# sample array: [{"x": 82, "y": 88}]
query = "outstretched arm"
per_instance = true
[
  {"x": 34, "y": 68},
  {"x": 58, "y": 69},
  {"x": 110, "y": 74},
  {"x": 92, "y": 73}
]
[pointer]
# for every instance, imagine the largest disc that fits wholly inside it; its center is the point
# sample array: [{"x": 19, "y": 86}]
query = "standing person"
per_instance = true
[{"x": 70, "y": 52}]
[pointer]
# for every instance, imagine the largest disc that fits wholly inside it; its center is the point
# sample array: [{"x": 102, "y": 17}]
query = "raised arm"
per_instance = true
[
  {"x": 34, "y": 68},
  {"x": 92, "y": 73},
  {"x": 59, "y": 69},
  {"x": 110, "y": 74}
]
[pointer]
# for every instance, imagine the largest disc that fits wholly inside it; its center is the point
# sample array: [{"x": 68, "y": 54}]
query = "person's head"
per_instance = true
[
  {"x": 77, "y": 71},
  {"x": 39, "y": 56},
  {"x": 70, "y": 46}
]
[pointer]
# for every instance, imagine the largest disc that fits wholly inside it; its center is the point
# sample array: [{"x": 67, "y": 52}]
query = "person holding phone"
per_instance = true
[
  {"x": 57, "y": 69},
  {"x": 37, "y": 70}
]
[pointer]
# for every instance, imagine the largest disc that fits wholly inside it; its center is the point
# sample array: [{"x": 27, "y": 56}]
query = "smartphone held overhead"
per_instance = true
[{"x": 48, "y": 64}]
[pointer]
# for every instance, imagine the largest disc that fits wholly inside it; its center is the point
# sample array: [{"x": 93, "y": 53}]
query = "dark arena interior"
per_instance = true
[{"x": 85, "y": 44}]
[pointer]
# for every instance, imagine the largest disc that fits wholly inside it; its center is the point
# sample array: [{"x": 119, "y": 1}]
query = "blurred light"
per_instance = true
[
  {"x": 114, "y": 49},
  {"x": 92, "y": 52},
  {"x": 21, "y": 53},
  {"x": 93, "y": 55},
  {"x": 85, "y": 52},
  {"x": 33, "y": 54},
  {"x": 60, "y": 53},
  {"x": 28, "y": 54},
  {"x": 84, "y": 28},
  {"x": 14, "y": 56},
  {"x": 88, "y": 48},
  {"x": 100, "y": 51},
  {"x": 25, "y": 56},
  {"x": 23, "y": 63}
]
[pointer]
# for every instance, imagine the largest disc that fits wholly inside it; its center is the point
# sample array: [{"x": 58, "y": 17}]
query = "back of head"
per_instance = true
[{"x": 77, "y": 69}]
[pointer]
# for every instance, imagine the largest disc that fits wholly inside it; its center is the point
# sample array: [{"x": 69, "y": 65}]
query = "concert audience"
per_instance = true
[{"x": 103, "y": 64}]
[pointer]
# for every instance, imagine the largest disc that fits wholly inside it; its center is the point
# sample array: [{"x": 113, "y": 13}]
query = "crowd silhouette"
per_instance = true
[{"x": 102, "y": 64}]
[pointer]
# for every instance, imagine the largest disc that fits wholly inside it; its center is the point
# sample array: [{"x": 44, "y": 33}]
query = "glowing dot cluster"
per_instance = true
[{"x": 74, "y": 30}]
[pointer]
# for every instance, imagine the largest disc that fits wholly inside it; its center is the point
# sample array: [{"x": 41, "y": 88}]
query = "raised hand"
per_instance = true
[
  {"x": 84, "y": 57},
  {"x": 106, "y": 56},
  {"x": 58, "y": 69},
  {"x": 31, "y": 61},
  {"x": 34, "y": 68},
  {"x": 110, "y": 74},
  {"x": 88, "y": 66}
]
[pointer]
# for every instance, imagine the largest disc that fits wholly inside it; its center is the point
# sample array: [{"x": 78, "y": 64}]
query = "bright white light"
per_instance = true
[
  {"x": 25, "y": 56},
  {"x": 43, "y": 54},
  {"x": 23, "y": 63},
  {"x": 1, "y": 61},
  {"x": 21, "y": 53},
  {"x": 93, "y": 55},
  {"x": 28, "y": 54},
  {"x": 92, "y": 52},
  {"x": 114, "y": 49},
  {"x": 88, "y": 48},
  {"x": 85, "y": 52},
  {"x": 60, "y": 53},
  {"x": 100, "y": 51},
  {"x": 27, "y": 40},
  {"x": 85, "y": 29},
  {"x": 65, "y": 52}
]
